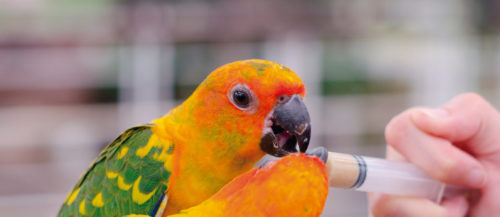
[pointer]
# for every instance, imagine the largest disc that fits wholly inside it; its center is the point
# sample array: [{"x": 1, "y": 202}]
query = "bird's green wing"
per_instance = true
[{"x": 130, "y": 176}]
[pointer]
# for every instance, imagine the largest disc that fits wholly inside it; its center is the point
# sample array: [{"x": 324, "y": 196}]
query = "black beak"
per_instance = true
[{"x": 291, "y": 125}]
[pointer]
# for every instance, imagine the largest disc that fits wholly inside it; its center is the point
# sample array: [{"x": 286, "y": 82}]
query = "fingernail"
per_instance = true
[
  {"x": 476, "y": 178},
  {"x": 434, "y": 113}
]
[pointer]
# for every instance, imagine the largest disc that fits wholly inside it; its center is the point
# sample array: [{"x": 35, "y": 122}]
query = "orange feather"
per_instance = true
[{"x": 295, "y": 185}]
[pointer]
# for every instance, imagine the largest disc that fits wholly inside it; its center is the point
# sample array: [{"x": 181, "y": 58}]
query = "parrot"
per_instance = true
[
  {"x": 240, "y": 112},
  {"x": 293, "y": 186}
]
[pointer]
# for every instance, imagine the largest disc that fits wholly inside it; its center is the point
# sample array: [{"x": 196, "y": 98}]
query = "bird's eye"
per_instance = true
[
  {"x": 243, "y": 98},
  {"x": 283, "y": 99}
]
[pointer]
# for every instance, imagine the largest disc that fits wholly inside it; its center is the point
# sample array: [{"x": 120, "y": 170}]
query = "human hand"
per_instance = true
[{"x": 458, "y": 144}]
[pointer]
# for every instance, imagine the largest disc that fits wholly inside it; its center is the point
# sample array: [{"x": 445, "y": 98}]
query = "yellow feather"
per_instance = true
[
  {"x": 153, "y": 141},
  {"x": 72, "y": 196},
  {"x": 168, "y": 166},
  {"x": 163, "y": 156},
  {"x": 81, "y": 209},
  {"x": 111, "y": 175},
  {"x": 123, "y": 152},
  {"x": 122, "y": 185},
  {"x": 138, "y": 196},
  {"x": 97, "y": 201}
]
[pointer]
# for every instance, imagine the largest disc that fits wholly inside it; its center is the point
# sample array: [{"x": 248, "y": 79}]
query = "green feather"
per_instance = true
[{"x": 120, "y": 161}]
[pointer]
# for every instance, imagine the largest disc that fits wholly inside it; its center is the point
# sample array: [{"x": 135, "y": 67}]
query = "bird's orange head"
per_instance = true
[{"x": 251, "y": 105}]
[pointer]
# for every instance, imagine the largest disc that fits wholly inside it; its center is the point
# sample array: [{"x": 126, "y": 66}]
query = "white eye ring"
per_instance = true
[{"x": 243, "y": 98}]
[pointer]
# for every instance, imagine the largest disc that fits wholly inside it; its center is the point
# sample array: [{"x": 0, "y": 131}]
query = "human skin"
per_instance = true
[{"x": 457, "y": 143}]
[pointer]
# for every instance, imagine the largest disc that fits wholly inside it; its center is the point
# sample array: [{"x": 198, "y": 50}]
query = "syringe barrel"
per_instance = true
[{"x": 380, "y": 175}]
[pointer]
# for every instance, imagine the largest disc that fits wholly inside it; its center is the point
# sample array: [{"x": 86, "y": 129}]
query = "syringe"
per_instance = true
[{"x": 380, "y": 175}]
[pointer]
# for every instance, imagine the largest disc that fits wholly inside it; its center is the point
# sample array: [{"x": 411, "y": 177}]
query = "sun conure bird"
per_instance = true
[{"x": 241, "y": 111}]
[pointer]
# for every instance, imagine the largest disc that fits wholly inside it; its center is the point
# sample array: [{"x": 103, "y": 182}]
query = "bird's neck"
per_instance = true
[{"x": 207, "y": 155}]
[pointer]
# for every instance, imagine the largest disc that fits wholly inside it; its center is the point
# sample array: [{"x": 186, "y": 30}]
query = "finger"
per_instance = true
[
  {"x": 435, "y": 155},
  {"x": 387, "y": 205},
  {"x": 372, "y": 198},
  {"x": 392, "y": 154},
  {"x": 467, "y": 120},
  {"x": 456, "y": 206},
  {"x": 384, "y": 205}
]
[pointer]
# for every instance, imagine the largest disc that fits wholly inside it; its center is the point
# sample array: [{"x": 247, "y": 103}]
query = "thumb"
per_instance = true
[{"x": 468, "y": 121}]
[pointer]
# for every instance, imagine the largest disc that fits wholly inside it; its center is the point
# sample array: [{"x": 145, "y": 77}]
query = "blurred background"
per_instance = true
[{"x": 74, "y": 74}]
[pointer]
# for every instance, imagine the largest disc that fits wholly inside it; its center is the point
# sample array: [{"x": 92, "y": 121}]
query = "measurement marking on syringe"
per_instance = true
[{"x": 362, "y": 171}]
